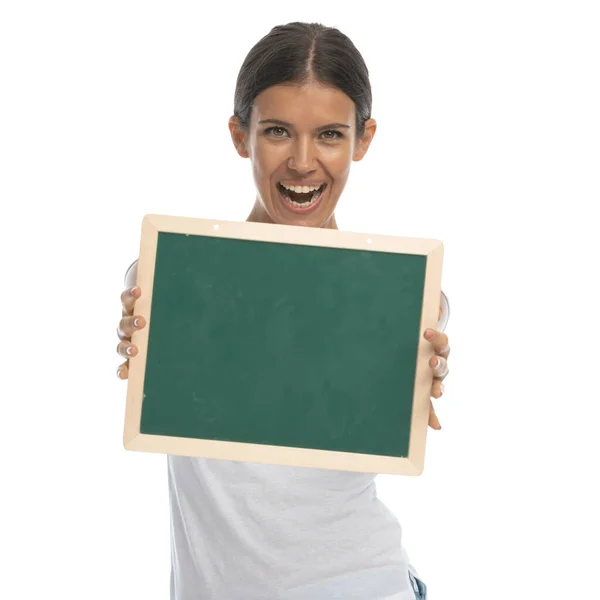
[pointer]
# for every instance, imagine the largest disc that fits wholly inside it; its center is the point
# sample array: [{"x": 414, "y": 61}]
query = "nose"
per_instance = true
[{"x": 303, "y": 156}]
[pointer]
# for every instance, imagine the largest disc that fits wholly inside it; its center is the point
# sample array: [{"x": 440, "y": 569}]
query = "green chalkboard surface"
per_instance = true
[{"x": 277, "y": 345}]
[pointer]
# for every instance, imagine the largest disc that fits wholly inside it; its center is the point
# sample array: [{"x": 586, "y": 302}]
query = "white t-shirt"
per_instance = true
[{"x": 249, "y": 531}]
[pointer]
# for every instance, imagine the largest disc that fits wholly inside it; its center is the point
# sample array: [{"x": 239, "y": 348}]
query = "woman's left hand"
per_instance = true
[{"x": 439, "y": 365}]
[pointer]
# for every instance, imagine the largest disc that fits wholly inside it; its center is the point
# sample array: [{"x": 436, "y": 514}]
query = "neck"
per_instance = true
[{"x": 260, "y": 215}]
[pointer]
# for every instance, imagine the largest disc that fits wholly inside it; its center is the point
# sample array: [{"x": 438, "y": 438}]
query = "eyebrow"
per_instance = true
[{"x": 321, "y": 128}]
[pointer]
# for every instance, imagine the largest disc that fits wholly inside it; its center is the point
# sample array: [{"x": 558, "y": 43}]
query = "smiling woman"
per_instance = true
[
  {"x": 302, "y": 116},
  {"x": 301, "y": 139}
]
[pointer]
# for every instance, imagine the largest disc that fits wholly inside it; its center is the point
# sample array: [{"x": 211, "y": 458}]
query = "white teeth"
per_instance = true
[
  {"x": 316, "y": 194},
  {"x": 305, "y": 205},
  {"x": 301, "y": 189}
]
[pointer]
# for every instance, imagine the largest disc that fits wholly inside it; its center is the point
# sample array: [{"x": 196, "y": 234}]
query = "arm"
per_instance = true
[
  {"x": 443, "y": 321},
  {"x": 131, "y": 274}
]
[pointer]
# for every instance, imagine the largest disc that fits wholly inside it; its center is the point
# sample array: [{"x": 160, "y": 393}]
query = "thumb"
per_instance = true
[{"x": 434, "y": 422}]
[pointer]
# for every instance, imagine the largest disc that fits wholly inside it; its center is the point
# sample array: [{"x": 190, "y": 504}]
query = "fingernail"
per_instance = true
[
  {"x": 134, "y": 289},
  {"x": 442, "y": 388},
  {"x": 128, "y": 351},
  {"x": 119, "y": 373},
  {"x": 439, "y": 363},
  {"x": 136, "y": 322}
]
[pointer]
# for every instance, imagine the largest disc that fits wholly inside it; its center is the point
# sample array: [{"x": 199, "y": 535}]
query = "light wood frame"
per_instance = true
[{"x": 152, "y": 225}]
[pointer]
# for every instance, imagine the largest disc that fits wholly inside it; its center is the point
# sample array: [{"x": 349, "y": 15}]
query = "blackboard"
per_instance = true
[{"x": 283, "y": 345}]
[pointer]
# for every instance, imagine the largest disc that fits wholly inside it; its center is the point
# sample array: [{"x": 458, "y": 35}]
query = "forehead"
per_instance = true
[{"x": 307, "y": 105}]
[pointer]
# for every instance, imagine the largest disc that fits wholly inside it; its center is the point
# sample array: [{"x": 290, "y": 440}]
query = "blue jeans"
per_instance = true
[{"x": 419, "y": 587}]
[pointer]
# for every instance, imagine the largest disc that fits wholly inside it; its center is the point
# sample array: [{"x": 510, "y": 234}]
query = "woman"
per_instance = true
[{"x": 247, "y": 531}]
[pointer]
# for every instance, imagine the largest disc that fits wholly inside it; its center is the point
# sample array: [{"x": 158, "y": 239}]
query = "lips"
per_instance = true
[{"x": 301, "y": 197}]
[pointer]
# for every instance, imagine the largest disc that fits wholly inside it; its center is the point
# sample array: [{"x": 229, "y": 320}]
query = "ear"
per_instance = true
[
  {"x": 238, "y": 136},
  {"x": 362, "y": 145}
]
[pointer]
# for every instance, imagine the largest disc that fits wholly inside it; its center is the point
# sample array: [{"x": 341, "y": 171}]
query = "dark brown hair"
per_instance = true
[{"x": 301, "y": 53}]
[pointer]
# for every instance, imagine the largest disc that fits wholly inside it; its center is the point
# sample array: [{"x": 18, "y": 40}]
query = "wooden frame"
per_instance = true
[{"x": 411, "y": 465}]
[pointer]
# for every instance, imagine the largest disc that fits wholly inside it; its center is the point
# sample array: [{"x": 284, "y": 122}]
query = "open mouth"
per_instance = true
[{"x": 301, "y": 198}]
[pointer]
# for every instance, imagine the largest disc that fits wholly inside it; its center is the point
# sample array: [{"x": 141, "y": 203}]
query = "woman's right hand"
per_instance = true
[{"x": 128, "y": 324}]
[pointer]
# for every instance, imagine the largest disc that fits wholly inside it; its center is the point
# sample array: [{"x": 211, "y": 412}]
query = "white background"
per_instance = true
[{"x": 489, "y": 139}]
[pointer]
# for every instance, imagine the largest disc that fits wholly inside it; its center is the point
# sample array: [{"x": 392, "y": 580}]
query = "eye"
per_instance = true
[
  {"x": 332, "y": 134},
  {"x": 275, "y": 131}
]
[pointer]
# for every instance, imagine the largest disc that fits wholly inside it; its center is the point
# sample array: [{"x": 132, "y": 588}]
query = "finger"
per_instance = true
[
  {"x": 439, "y": 341},
  {"x": 437, "y": 388},
  {"x": 440, "y": 367},
  {"x": 128, "y": 298},
  {"x": 123, "y": 371},
  {"x": 126, "y": 349},
  {"x": 128, "y": 325},
  {"x": 434, "y": 422}
]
